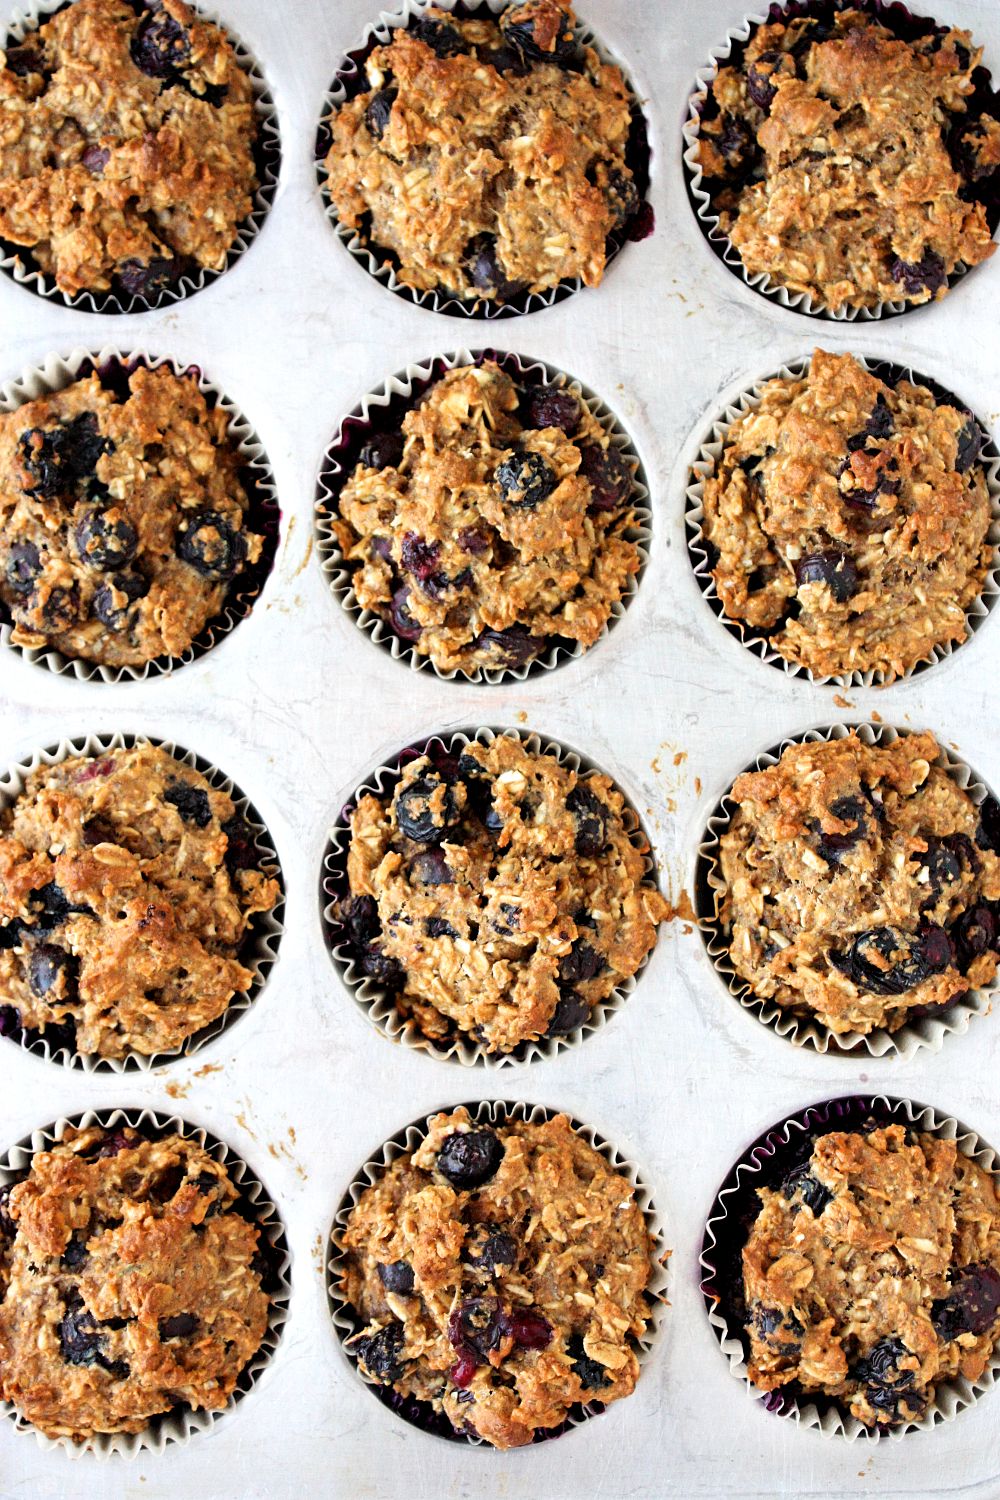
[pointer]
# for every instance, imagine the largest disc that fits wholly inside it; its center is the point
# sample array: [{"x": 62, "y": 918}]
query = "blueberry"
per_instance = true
[
  {"x": 10, "y": 1021},
  {"x": 180, "y": 1326},
  {"x": 469, "y": 1158},
  {"x": 850, "y": 810},
  {"x": 397, "y": 1277},
  {"x": 519, "y": 25},
  {"x": 759, "y": 85},
  {"x": 590, "y": 817},
  {"x": 879, "y": 425},
  {"x": 490, "y": 1249},
  {"x": 113, "y": 600},
  {"x": 582, "y": 962},
  {"x": 970, "y": 445},
  {"x": 524, "y": 480},
  {"x": 571, "y": 1012},
  {"x": 835, "y": 569},
  {"x": 57, "y": 458},
  {"x": 476, "y": 1327},
  {"x": 147, "y": 279},
  {"x": 622, "y": 195},
  {"x": 114, "y": 1141},
  {"x": 383, "y": 450},
  {"x": 812, "y": 1192},
  {"x": 442, "y": 39},
  {"x": 24, "y": 566},
  {"x": 56, "y": 907},
  {"x": 379, "y": 109},
  {"x": 80, "y": 1341},
  {"x": 542, "y": 406},
  {"x": 47, "y": 965},
  {"x": 360, "y": 918},
  {"x": 885, "y": 962},
  {"x": 527, "y": 1327},
  {"x": 512, "y": 647},
  {"x": 190, "y": 801},
  {"x": 10, "y": 933},
  {"x": 23, "y": 61},
  {"x": 592, "y": 1375},
  {"x": 419, "y": 558},
  {"x": 975, "y": 933},
  {"x": 473, "y": 539},
  {"x": 8, "y": 1228},
  {"x": 160, "y": 45},
  {"x": 430, "y": 868},
  {"x": 95, "y": 159},
  {"x": 988, "y": 827},
  {"x": 241, "y": 848},
  {"x": 76, "y": 1254},
  {"x": 735, "y": 142},
  {"x": 507, "y": 59},
  {"x": 165, "y": 1185},
  {"x": 608, "y": 475},
  {"x": 105, "y": 544},
  {"x": 485, "y": 271},
  {"x": 402, "y": 622},
  {"x": 415, "y": 817},
  {"x": 880, "y": 1365},
  {"x": 781, "y": 1333},
  {"x": 934, "y": 951},
  {"x": 383, "y": 968},
  {"x": 971, "y": 1305},
  {"x": 62, "y": 607},
  {"x": 210, "y": 545},
  {"x": 924, "y": 275},
  {"x": 380, "y": 1353},
  {"x": 942, "y": 863}
]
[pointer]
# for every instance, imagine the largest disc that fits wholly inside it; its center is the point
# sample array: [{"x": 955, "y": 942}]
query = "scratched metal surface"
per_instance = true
[{"x": 296, "y": 704}]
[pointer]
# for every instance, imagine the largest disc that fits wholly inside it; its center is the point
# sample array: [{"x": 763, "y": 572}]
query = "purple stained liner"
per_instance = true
[{"x": 349, "y": 81}]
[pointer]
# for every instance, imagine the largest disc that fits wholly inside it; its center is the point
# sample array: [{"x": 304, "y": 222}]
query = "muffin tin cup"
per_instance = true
[
  {"x": 731, "y": 1217},
  {"x": 260, "y": 949},
  {"x": 263, "y": 513},
  {"x": 175, "y": 1427},
  {"x": 350, "y": 81},
  {"x": 378, "y": 1003},
  {"x": 899, "y": 20},
  {"x": 926, "y": 1034},
  {"x": 347, "y": 1322},
  {"x": 16, "y": 260},
  {"x": 704, "y": 466},
  {"x": 398, "y": 394}
]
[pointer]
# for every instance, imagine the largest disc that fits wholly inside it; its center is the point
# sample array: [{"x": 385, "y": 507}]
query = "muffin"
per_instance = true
[
  {"x": 487, "y": 158},
  {"x": 126, "y": 146},
  {"x": 848, "y": 520},
  {"x": 853, "y": 160},
  {"x": 872, "y": 1274},
  {"x": 498, "y": 1275},
  {"x": 128, "y": 889},
  {"x": 498, "y": 523},
  {"x": 497, "y": 895},
  {"x": 124, "y": 522},
  {"x": 130, "y": 1283},
  {"x": 860, "y": 884}
]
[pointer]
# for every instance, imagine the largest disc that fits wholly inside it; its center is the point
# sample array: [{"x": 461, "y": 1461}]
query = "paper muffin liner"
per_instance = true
[
  {"x": 380, "y": 263},
  {"x": 378, "y": 1003},
  {"x": 17, "y": 260},
  {"x": 180, "y": 1425},
  {"x": 922, "y": 1033},
  {"x": 258, "y": 952},
  {"x": 385, "y": 408},
  {"x": 700, "y": 549},
  {"x": 263, "y": 514},
  {"x": 764, "y": 1164},
  {"x": 495, "y": 1112},
  {"x": 897, "y": 18}
]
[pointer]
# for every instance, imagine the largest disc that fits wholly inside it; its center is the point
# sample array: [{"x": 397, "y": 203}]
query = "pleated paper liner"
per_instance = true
[
  {"x": 904, "y": 24},
  {"x": 927, "y": 1033},
  {"x": 378, "y": 1003},
  {"x": 180, "y": 1425},
  {"x": 347, "y": 1321},
  {"x": 382, "y": 263},
  {"x": 383, "y": 410},
  {"x": 703, "y": 555},
  {"x": 19, "y": 263},
  {"x": 764, "y": 1164},
  {"x": 259, "y": 951},
  {"x": 263, "y": 515}
]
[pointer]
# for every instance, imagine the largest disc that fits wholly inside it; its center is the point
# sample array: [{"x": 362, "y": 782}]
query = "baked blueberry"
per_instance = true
[
  {"x": 419, "y": 558},
  {"x": 833, "y": 568},
  {"x": 527, "y": 1327},
  {"x": 95, "y": 159},
  {"x": 241, "y": 848},
  {"x": 622, "y": 195},
  {"x": 61, "y": 608},
  {"x": 970, "y": 445},
  {"x": 524, "y": 480},
  {"x": 443, "y": 40},
  {"x": 812, "y": 1192},
  {"x": 403, "y": 623},
  {"x": 485, "y": 271},
  {"x": 608, "y": 475},
  {"x": 58, "y": 458},
  {"x": 55, "y": 907},
  {"x": 851, "y": 810},
  {"x": 590, "y": 819},
  {"x": 179, "y": 1326},
  {"x": 210, "y": 545},
  {"x": 926, "y": 274},
  {"x": 160, "y": 45},
  {"x": 886, "y": 962},
  {"x": 490, "y": 1249},
  {"x": 112, "y": 600},
  {"x": 975, "y": 933},
  {"x": 591, "y": 1374},
  {"x": 972, "y": 1304},
  {"x": 148, "y": 278},
  {"x": 103, "y": 543},
  {"x": 381, "y": 1353},
  {"x": 542, "y": 406},
  {"x": 469, "y": 1158},
  {"x": 191, "y": 802},
  {"x": 426, "y": 808},
  {"x": 571, "y": 1011},
  {"x": 988, "y": 828},
  {"x": 511, "y": 647},
  {"x": 24, "y": 566},
  {"x": 519, "y": 24},
  {"x": 476, "y": 1327},
  {"x": 80, "y": 1340},
  {"x": 25, "y": 60},
  {"x": 379, "y": 109},
  {"x": 382, "y": 967},
  {"x": 382, "y": 450},
  {"x": 52, "y": 972},
  {"x": 75, "y": 1255},
  {"x": 397, "y": 1277},
  {"x": 507, "y": 59},
  {"x": 582, "y": 962}
]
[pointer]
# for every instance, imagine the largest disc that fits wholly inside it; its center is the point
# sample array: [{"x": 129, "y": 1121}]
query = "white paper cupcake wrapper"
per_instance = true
[
  {"x": 55, "y": 375},
  {"x": 496, "y": 1113},
  {"x": 704, "y": 467},
  {"x": 951, "y": 1397},
  {"x": 260, "y": 950},
  {"x": 808, "y": 1031},
  {"x": 410, "y": 384},
  {"x": 343, "y": 88},
  {"x": 379, "y": 1004},
  {"x": 267, "y": 156},
  {"x": 178, "y": 1426},
  {"x": 720, "y": 243}
]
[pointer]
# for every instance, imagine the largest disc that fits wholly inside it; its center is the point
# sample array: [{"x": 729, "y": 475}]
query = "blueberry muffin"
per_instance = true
[
  {"x": 130, "y": 1283},
  {"x": 128, "y": 888},
  {"x": 860, "y": 884},
  {"x": 495, "y": 525},
  {"x": 851, "y": 163},
  {"x": 872, "y": 1274},
  {"x": 126, "y": 146},
  {"x": 487, "y": 157},
  {"x": 123, "y": 518},
  {"x": 499, "y": 1275},
  {"x": 847, "y": 520},
  {"x": 497, "y": 896}
]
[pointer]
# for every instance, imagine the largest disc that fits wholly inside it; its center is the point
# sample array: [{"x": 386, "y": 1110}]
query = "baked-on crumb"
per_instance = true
[
  {"x": 873, "y": 1273},
  {"x": 123, "y": 517},
  {"x": 500, "y": 896},
  {"x": 861, "y": 883},
  {"x": 499, "y": 1274},
  {"x": 128, "y": 884},
  {"x": 487, "y": 156},
  {"x": 130, "y": 1283},
  {"x": 849, "y": 519},
  {"x": 496, "y": 524},
  {"x": 842, "y": 160},
  {"x": 126, "y": 146}
]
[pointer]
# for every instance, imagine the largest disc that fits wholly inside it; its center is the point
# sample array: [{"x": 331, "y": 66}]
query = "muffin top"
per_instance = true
[
  {"x": 500, "y": 1275},
  {"x": 847, "y": 162},
  {"x": 498, "y": 896},
  {"x": 130, "y": 1283},
  {"x": 848, "y": 520},
  {"x": 487, "y": 157},
  {"x": 123, "y": 519},
  {"x": 127, "y": 887},
  {"x": 126, "y": 136},
  {"x": 861, "y": 884},
  {"x": 873, "y": 1273},
  {"x": 496, "y": 524}
]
